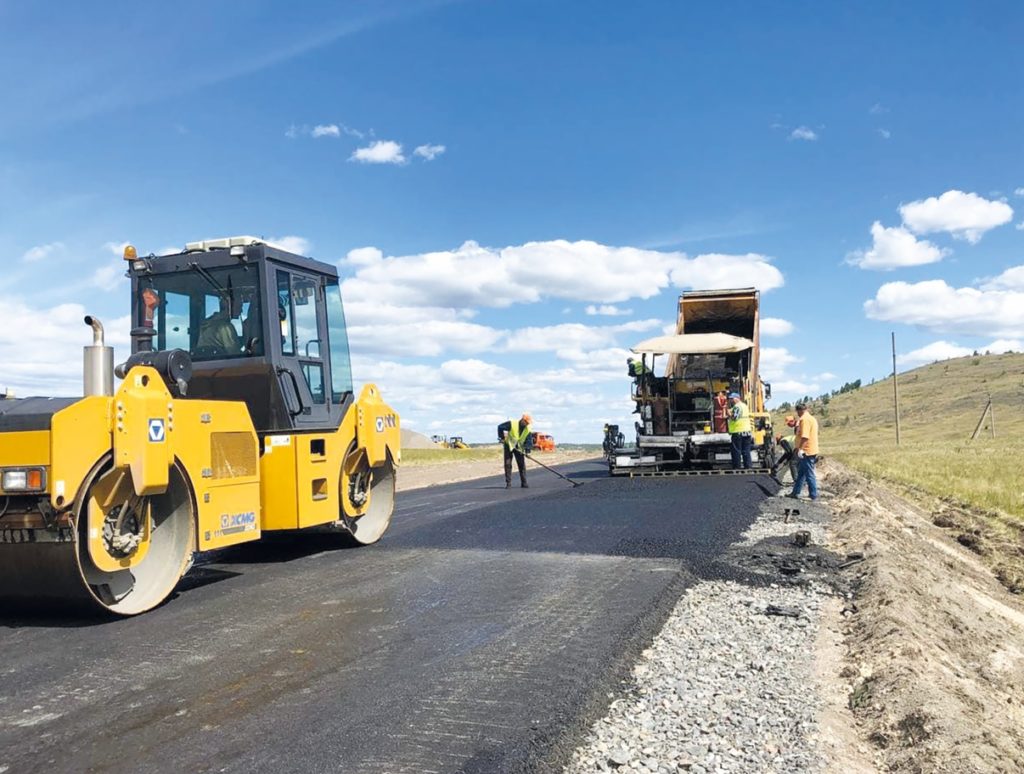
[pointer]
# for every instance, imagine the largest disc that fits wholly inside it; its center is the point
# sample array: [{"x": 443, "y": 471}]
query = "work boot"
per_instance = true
[
  {"x": 524, "y": 485},
  {"x": 508, "y": 484}
]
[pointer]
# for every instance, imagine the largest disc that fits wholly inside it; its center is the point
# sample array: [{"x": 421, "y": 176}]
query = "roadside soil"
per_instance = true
[
  {"x": 932, "y": 641},
  {"x": 437, "y": 473}
]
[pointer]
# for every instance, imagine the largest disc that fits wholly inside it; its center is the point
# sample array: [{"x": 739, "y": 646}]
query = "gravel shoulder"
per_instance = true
[{"x": 727, "y": 684}]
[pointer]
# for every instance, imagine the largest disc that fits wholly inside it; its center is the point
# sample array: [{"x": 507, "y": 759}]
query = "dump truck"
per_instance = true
[
  {"x": 236, "y": 417},
  {"x": 543, "y": 442},
  {"x": 715, "y": 349}
]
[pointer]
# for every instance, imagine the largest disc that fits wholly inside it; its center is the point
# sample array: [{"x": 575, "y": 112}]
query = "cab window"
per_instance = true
[
  {"x": 341, "y": 364},
  {"x": 214, "y": 314}
]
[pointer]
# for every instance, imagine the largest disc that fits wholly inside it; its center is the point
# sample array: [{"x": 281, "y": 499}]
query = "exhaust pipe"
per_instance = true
[{"x": 98, "y": 362}]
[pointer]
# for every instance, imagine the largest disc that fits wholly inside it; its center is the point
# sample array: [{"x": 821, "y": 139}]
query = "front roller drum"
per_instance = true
[
  {"x": 61, "y": 574},
  {"x": 367, "y": 496}
]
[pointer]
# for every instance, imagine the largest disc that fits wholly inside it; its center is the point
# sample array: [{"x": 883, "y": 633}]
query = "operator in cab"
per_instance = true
[{"x": 217, "y": 333}]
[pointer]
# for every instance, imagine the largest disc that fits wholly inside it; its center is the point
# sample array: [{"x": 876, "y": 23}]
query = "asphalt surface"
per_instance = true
[{"x": 484, "y": 633}]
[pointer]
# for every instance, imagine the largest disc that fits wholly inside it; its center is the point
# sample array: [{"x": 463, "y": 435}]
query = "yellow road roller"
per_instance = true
[{"x": 235, "y": 416}]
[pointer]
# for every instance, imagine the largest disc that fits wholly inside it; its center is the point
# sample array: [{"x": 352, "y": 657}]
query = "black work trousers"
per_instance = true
[{"x": 520, "y": 463}]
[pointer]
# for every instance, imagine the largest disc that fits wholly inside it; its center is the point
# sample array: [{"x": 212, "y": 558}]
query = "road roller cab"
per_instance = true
[{"x": 235, "y": 416}]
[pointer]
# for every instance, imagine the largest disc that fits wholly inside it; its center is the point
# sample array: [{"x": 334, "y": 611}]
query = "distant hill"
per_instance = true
[
  {"x": 413, "y": 440},
  {"x": 940, "y": 401}
]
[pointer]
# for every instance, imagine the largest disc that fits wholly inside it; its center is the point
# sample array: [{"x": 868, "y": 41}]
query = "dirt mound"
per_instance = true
[
  {"x": 934, "y": 643},
  {"x": 413, "y": 440}
]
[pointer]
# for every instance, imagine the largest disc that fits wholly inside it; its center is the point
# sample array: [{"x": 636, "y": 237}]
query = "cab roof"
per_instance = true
[{"x": 227, "y": 251}]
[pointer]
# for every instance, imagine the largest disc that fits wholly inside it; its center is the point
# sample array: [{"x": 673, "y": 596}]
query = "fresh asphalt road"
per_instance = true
[{"x": 483, "y": 633}]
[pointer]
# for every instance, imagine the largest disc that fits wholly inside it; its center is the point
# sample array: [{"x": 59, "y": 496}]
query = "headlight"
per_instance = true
[{"x": 23, "y": 480}]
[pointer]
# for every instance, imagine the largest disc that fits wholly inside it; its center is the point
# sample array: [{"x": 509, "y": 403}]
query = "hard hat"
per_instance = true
[
  {"x": 734, "y": 395},
  {"x": 629, "y": 360}
]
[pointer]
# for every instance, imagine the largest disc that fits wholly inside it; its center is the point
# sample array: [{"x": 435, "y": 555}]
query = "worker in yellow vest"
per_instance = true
[
  {"x": 516, "y": 441},
  {"x": 741, "y": 432}
]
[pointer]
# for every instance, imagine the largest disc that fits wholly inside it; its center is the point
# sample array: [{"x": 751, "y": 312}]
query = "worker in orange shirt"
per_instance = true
[
  {"x": 806, "y": 452},
  {"x": 721, "y": 413}
]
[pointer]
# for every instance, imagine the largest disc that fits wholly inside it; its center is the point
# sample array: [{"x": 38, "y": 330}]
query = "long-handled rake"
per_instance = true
[{"x": 566, "y": 478}]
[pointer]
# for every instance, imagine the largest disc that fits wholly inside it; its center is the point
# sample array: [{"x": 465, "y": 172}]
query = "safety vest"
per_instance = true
[
  {"x": 637, "y": 368},
  {"x": 739, "y": 419},
  {"x": 517, "y": 435}
]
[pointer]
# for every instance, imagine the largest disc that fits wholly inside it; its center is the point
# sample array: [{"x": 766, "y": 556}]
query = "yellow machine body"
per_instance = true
[
  {"x": 235, "y": 416},
  {"x": 239, "y": 484}
]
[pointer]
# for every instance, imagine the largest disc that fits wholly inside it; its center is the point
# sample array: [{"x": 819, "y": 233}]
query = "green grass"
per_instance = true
[
  {"x": 416, "y": 457},
  {"x": 940, "y": 406}
]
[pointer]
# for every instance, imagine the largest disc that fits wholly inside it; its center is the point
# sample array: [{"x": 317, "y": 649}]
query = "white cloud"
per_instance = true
[
  {"x": 41, "y": 348},
  {"x": 108, "y": 277},
  {"x": 878, "y": 109},
  {"x": 379, "y": 152},
  {"x": 936, "y": 306},
  {"x": 999, "y": 346},
  {"x": 475, "y": 276},
  {"x": 1019, "y": 191},
  {"x": 400, "y": 337},
  {"x": 607, "y": 310},
  {"x": 964, "y": 215},
  {"x": 793, "y": 389},
  {"x": 775, "y": 326},
  {"x": 714, "y": 271},
  {"x": 776, "y": 362},
  {"x": 885, "y": 134},
  {"x": 326, "y": 130},
  {"x": 828, "y": 376},
  {"x": 40, "y": 252},
  {"x": 317, "y": 131},
  {"x": 894, "y": 248},
  {"x": 946, "y": 350},
  {"x": 429, "y": 152},
  {"x": 574, "y": 336},
  {"x": 803, "y": 133},
  {"x": 116, "y": 248},
  {"x": 1011, "y": 279},
  {"x": 937, "y": 350},
  {"x": 292, "y": 244}
]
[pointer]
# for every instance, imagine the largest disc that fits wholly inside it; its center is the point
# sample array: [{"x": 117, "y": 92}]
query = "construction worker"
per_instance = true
[
  {"x": 639, "y": 371},
  {"x": 806, "y": 452},
  {"x": 721, "y": 413},
  {"x": 741, "y": 430},
  {"x": 788, "y": 444},
  {"x": 516, "y": 441}
]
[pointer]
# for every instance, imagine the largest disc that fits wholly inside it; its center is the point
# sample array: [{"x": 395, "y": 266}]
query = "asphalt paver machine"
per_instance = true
[{"x": 715, "y": 350}]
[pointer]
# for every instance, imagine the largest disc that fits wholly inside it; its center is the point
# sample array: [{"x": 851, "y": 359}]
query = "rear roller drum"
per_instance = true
[{"x": 168, "y": 518}]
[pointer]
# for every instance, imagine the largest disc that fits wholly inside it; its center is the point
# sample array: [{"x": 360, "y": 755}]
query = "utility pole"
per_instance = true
[{"x": 895, "y": 389}]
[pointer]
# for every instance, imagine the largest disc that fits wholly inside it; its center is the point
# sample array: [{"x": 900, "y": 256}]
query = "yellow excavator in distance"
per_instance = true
[{"x": 236, "y": 416}]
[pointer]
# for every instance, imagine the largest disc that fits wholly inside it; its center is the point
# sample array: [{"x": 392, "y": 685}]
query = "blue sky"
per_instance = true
[{"x": 597, "y": 154}]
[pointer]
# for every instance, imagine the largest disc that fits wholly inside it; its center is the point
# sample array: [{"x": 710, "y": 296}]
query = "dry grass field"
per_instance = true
[
  {"x": 973, "y": 488},
  {"x": 940, "y": 406}
]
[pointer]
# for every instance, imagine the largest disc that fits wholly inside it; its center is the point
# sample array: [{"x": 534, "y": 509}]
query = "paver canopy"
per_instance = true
[{"x": 693, "y": 344}]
